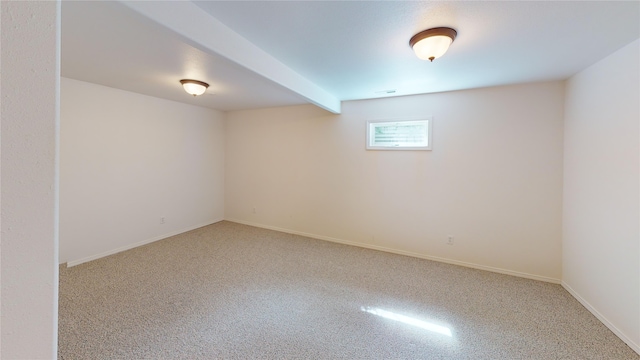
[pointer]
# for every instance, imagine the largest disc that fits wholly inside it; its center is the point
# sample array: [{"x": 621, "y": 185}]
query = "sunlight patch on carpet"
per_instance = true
[{"x": 408, "y": 320}]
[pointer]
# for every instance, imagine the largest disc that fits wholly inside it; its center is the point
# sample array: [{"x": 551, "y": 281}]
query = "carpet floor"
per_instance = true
[{"x": 230, "y": 291}]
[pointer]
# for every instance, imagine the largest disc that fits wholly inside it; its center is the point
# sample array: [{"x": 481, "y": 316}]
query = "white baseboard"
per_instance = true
[
  {"x": 136, "y": 244},
  {"x": 602, "y": 318},
  {"x": 402, "y": 252}
]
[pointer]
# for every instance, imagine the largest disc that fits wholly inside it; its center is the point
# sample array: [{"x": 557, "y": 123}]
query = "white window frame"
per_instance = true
[{"x": 429, "y": 127}]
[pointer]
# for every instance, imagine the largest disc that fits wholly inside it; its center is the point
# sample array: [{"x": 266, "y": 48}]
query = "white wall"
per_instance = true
[
  {"x": 129, "y": 159},
  {"x": 601, "y": 232},
  {"x": 493, "y": 180},
  {"x": 29, "y": 134}
]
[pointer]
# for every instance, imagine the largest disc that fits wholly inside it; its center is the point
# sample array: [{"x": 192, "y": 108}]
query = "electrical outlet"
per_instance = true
[
  {"x": 162, "y": 220},
  {"x": 449, "y": 240}
]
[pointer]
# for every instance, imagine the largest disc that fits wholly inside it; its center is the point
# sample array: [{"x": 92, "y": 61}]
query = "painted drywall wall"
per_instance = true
[
  {"x": 29, "y": 136},
  {"x": 601, "y": 226},
  {"x": 127, "y": 160},
  {"x": 493, "y": 180}
]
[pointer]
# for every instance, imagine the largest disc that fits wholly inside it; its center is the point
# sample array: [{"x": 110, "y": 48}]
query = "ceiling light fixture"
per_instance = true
[
  {"x": 194, "y": 87},
  {"x": 432, "y": 43}
]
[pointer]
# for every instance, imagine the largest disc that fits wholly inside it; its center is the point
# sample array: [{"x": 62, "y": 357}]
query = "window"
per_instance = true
[{"x": 399, "y": 135}]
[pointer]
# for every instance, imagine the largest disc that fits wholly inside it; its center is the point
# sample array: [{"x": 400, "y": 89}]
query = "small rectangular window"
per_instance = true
[{"x": 399, "y": 135}]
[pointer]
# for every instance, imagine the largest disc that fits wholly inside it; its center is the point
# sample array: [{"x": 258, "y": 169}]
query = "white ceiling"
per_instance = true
[
  {"x": 293, "y": 52},
  {"x": 107, "y": 43}
]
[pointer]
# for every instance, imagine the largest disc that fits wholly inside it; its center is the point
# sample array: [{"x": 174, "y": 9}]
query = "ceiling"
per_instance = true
[{"x": 267, "y": 53}]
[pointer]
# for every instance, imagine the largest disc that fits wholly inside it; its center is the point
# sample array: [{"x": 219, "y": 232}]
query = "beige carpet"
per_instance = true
[{"x": 230, "y": 291}]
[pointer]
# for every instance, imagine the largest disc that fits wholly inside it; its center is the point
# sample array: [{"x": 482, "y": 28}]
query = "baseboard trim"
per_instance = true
[
  {"x": 634, "y": 346},
  {"x": 402, "y": 252},
  {"x": 136, "y": 244}
]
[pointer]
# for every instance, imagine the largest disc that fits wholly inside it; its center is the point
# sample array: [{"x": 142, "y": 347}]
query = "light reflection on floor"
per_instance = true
[{"x": 408, "y": 320}]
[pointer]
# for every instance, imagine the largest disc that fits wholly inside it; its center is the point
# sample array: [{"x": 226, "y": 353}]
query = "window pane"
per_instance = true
[{"x": 398, "y": 134}]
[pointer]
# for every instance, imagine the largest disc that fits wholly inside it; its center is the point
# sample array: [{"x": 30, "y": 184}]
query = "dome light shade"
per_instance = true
[
  {"x": 194, "y": 87},
  {"x": 433, "y": 43}
]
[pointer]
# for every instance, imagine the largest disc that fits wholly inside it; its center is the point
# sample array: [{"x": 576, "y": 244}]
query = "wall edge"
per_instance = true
[
  {"x": 402, "y": 252},
  {"x": 635, "y": 347},
  {"x": 83, "y": 260}
]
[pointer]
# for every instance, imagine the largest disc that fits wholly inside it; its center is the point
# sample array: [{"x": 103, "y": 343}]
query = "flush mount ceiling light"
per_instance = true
[
  {"x": 194, "y": 87},
  {"x": 432, "y": 43}
]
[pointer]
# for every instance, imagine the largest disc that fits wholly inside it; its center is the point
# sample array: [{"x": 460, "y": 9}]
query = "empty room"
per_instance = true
[{"x": 320, "y": 180}]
